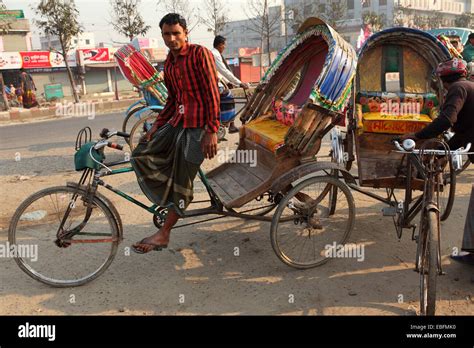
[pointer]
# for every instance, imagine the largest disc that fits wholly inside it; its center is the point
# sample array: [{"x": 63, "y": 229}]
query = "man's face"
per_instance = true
[
  {"x": 174, "y": 36},
  {"x": 471, "y": 41},
  {"x": 221, "y": 47}
]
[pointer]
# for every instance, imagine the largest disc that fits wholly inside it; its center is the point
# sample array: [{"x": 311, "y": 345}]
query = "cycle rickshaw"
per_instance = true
[
  {"x": 396, "y": 93},
  {"x": 80, "y": 228},
  {"x": 303, "y": 95}
]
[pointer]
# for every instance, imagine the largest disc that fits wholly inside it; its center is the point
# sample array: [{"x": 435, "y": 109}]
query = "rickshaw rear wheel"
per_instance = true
[{"x": 314, "y": 235}]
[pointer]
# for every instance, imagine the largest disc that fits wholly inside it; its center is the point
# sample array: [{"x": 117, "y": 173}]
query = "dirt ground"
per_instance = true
[{"x": 199, "y": 273}]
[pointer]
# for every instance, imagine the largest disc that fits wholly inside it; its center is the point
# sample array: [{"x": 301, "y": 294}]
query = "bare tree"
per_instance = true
[
  {"x": 435, "y": 20},
  {"x": 465, "y": 20},
  {"x": 335, "y": 14},
  {"x": 262, "y": 23},
  {"x": 376, "y": 21},
  {"x": 215, "y": 17},
  {"x": 126, "y": 18},
  {"x": 402, "y": 15},
  {"x": 60, "y": 18},
  {"x": 182, "y": 7}
]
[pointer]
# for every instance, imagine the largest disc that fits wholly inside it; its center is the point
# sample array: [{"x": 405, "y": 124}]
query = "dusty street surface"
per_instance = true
[{"x": 199, "y": 273}]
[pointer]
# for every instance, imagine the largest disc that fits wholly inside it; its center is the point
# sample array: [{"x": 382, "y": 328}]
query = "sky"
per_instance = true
[{"x": 94, "y": 16}]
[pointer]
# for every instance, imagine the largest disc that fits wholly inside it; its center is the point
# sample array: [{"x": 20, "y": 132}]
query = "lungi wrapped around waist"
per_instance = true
[{"x": 167, "y": 165}]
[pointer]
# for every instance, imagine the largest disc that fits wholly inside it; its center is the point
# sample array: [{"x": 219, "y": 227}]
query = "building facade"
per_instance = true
[
  {"x": 291, "y": 13},
  {"x": 15, "y": 32},
  {"x": 83, "y": 40}
]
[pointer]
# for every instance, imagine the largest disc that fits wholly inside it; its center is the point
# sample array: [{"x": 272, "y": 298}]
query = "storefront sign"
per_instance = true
[
  {"x": 94, "y": 55},
  {"x": 12, "y": 14},
  {"x": 34, "y": 60}
]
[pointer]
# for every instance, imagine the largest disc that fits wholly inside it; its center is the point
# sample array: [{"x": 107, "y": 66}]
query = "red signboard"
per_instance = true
[
  {"x": 95, "y": 55},
  {"x": 35, "y": 59}
]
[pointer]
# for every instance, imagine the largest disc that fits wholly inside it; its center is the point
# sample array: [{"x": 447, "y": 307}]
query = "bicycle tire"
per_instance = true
[
  {"x": 429, "y": 264},
  {"x": 445, "y": 209},
  {"x": 39, "y": 275},
  {"x": 129, "y": 115},
  {"x": 137, "y": 131},
  {"x": 284, "y": 256}
]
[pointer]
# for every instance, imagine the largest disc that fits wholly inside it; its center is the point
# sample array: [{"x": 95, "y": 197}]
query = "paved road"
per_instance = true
[{"x": 52, "y": 131}]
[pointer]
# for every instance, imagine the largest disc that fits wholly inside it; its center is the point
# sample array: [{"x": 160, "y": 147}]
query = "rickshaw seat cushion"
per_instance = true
[
  {"x": 374, "y": 101},
  {"x": 266, "y": 132}
]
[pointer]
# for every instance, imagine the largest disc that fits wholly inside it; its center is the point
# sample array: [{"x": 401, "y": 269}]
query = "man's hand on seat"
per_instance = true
[{"x": 209, "y": 145}]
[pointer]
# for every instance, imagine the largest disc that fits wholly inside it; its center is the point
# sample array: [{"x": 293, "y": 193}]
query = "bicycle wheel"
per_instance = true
[
  {"x": 303, "y": 232},
  {"x": 428, "y": 263},
  {"x": 139, "y": 130},
  {"x": 66, "y": 261},
  {"x": 448, "y": 192},
  {"x": 127, "y": 124}
]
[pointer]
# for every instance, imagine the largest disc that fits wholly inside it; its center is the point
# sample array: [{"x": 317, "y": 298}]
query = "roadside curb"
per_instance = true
[{"x": 99, "y": 107}]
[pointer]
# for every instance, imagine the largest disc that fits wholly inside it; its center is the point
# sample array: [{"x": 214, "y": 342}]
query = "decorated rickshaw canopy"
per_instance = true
[
  {"x": 327, "y": 62},
  {"x": 424, "y": 43}
]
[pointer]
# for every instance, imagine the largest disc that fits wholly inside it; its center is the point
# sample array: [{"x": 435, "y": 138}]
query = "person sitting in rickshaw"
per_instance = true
[
  {"x": 457, "y": 113},
  {"x": 167, "y": 160}
]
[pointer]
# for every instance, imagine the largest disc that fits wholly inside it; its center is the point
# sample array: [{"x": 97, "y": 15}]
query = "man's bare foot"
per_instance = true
[{"x": 157, "y": 241}]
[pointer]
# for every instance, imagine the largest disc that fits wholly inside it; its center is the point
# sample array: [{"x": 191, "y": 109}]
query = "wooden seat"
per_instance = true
[{"x": 235, "y": 184}]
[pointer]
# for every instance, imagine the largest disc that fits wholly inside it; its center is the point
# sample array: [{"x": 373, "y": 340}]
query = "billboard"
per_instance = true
[
  {"x": 93, "y": 55},
  {"x": 34, "y": 60}
]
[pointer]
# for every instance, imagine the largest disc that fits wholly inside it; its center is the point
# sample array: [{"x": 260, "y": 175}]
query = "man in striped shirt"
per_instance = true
[{"x": 185, "y": 132}]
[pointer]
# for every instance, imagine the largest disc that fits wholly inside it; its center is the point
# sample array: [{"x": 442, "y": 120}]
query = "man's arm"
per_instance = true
[
  {"x": 448, "y": 115},
  {"x": 222, "y": 69},
  {"x": 169, "y": 108},
  {"x": 207, "y": 69}
]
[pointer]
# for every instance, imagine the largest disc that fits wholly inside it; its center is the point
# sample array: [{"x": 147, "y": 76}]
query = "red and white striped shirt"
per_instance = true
[{"x": 193, "y": 94}]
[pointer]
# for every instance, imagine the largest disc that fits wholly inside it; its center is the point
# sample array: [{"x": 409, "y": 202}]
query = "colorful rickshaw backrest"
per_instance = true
[
  {"x": 396, "y": 89},
  {"x": 306, "y": 87},
  {"x": 396, "y": 93}
]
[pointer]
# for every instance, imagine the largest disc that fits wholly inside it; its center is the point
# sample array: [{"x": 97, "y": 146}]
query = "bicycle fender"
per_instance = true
[{"x": 156, "y": 108}]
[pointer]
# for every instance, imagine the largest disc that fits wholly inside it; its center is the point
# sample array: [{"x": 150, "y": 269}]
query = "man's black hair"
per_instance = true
[
  {"x": 172, "y": 19},
  {"x": 471, "y": 36},
  {"x": 219, "y": 39}
]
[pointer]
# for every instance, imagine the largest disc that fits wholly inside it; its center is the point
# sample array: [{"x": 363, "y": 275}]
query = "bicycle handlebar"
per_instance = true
[
  {"x": 406, "y": 148},
  {"x": 102, "y": 143},
  {"x": 105, "y": 134}
]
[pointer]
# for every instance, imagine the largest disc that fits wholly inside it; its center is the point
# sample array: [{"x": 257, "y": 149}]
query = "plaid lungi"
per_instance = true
[{"x": 167, "y": 165}]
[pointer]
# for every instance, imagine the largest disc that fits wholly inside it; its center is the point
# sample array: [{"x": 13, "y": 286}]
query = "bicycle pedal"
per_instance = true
[{"x": 389, "y": 211}]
